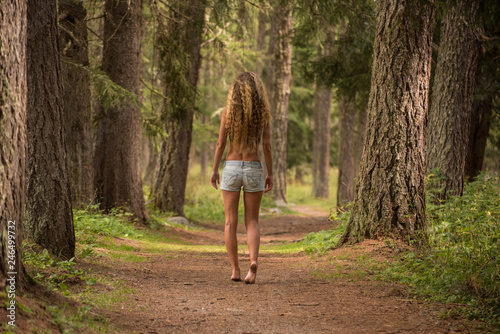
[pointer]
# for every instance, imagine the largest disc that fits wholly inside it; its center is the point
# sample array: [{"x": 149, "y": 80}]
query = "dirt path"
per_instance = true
[{"x": 190, "y": 292}]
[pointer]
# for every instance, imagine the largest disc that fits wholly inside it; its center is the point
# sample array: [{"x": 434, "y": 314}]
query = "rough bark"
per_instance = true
[
  {"x": 13, "y": 141},
  {"x": 478, "y": 137},
  {"x": 481, "y": 116},
  {"x": 170, "y": 185},
  {"x": 390, "y": 194},
  {"x": 261, "y": 39},
  {"x": 347, "y": 117},
  {"x": 118, "y": 148},
  {"x": 76, "y": 99},
  {"x": 49, "y": 216},
  {"x": 321, "y": 142},
  {"x": 282, "y": 16},
  {"x": 359, "y": 138},
  {"x": 452, "y": 96}
]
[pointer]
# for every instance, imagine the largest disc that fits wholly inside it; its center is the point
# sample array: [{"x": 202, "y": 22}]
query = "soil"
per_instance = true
[{"x": 191, "y": 292}]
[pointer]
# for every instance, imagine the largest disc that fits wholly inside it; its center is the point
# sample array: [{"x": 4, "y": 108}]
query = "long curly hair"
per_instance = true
[{"x": 247, "y": 112}]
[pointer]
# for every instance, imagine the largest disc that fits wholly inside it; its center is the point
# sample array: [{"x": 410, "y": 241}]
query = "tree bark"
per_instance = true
[
  {"x": 359, "y": 139},
  {"x": 49, "y": 216},
  {"x": 282, "y": 72},
  {"x": 261, "y": 39},
  {"x": 170, "y": 185},
  {"x": 118, "y": 148},
  {"x": 478, "y": 136},
  {"x": 321, "y": 141},
  {"x": 347, "y": 117},
  {"x": 452, "y": 96},
  {"x": 13, "y": 141},
  {"x": 481, "y": 116},
  {"x": 390, "y": 195},
  {"x": 76, "y": 99}
]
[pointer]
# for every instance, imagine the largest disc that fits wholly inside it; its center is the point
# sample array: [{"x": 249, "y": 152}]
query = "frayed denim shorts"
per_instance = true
[{"x": 246, "y": 174}]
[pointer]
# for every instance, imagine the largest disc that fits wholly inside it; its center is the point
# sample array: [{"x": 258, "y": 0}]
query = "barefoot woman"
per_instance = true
[{"x": 246, "y": 120}]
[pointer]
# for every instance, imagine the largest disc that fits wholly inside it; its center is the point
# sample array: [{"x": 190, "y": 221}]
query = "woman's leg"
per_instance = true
[
  {"x": 231, "y": 201},
  {"x": 252, "y": 207}
]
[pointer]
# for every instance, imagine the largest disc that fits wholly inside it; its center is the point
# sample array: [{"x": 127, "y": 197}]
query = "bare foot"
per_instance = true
[
  {"x": 236, "y": 275},
  {"x": 252, "y": 273}
]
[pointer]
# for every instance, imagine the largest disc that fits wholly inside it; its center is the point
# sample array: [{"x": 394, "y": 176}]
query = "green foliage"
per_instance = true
[
  {"x": 91, "y": 222},
  {"x": 324, "y": 241},
  {"x": 462, "y": 263},
  {"x": 59, "y": 271}
]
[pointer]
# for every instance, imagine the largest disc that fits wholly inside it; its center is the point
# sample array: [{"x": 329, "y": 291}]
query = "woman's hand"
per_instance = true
[
  {"x": 215, "y": 179},
  {"x": 268, "y": 184}
]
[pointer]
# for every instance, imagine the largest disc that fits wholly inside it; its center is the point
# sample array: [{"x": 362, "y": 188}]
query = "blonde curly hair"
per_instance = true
[{"x": 247, "y": 112}]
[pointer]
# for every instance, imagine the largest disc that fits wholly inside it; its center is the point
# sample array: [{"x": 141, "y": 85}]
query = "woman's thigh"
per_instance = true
[
  {"x": 252, "y": 205},
  {"x": 231, "y": 201}
]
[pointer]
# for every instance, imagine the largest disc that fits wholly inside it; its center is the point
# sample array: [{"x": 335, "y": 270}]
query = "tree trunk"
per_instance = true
[
  {"x": 282, "y": 61},
  {"x": 347, "y": 117},
  {"x": 478, "y": 137},
  {"x": 118, "y": 148},
  {"x": 321, "y": 141},
  {"x": 13, "y": 142},
  {"x": 390, "y": 195},
  {"x": 49, "y": 216},
  {"x": 481, "y": 116},
  {"x": 261, "y": 39},
  {"x": 76, "y": 99},
  {"x": 359, "y": 139},
  {"x": 170, "y": 185},
  {"x": 452, "y": 96}
]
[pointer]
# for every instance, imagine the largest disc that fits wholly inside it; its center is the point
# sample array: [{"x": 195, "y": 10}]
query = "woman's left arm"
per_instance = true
[{"x": 219, "y": 150}]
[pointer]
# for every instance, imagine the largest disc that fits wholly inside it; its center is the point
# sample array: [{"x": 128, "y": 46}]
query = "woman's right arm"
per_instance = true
[
  {"x": 219, "y": 150},
  {"x": 266, "y": 143}
]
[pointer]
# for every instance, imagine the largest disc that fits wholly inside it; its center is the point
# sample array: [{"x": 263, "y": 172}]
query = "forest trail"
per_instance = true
[{"x": 190, "y": 291}]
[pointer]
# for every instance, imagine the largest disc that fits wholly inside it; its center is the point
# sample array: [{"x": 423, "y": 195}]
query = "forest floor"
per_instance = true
[{"x": 187, "y": 289}]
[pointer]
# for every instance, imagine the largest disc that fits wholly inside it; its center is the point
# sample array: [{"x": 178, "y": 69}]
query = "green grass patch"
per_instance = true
[{"x": 106, "y": 293}]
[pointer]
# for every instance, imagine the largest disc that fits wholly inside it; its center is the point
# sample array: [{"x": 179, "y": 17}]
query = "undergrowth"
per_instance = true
[{"x": 461, "y": 263}]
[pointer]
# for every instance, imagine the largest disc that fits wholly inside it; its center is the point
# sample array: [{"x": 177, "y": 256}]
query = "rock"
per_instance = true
[
  {"x": 178, "y": 220},
  {"x": 276, "y": 210}
]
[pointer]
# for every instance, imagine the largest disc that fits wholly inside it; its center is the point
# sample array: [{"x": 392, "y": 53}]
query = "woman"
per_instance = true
[{"x": 246, "y": 120}]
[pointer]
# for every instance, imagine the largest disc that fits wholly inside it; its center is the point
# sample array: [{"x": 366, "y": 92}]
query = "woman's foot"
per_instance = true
[
  {"x": 236, "y": 275},
  {"x": 252, "y": 273}
]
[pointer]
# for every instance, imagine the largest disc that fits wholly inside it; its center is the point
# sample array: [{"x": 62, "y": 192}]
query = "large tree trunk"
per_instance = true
[
  {"x": 261, "y": 39},
  {"x": 359, "y": 139},
  {"x": 321, "y": 142},
  {"x": 452, "y": 96},
  {"x": 76, "y": 99},
  {"x": 390, "y": 196},
  {"x": 13, "y": 141},
  {"x": 282, "y": 72},
  {"x": 482, "y": 112},
  {"x": 478, "y": 137},
  {"x": 347, "y": 117},
  {"x": 49, "y": 216},
  {"x": 118, "y": 148},
  {"x": 170, "y": 185}
]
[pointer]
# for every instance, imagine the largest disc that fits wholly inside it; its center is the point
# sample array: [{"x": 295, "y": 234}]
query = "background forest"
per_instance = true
[{"x": 110, "y": 113}]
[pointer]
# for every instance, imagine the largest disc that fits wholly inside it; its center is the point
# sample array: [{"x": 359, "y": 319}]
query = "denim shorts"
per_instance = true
[{"x": 246, "y": 174}]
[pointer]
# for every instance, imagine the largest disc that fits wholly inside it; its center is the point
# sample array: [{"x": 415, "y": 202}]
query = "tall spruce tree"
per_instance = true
[
  {"x": 13, "y": 141},
  {"x": 452, "y": 96},
  {"x": 118, "y": 147},
  {"x": 179, "y": 41},
  {"x": 390, "y": 196},
  {"x": 49, "y": 216}
]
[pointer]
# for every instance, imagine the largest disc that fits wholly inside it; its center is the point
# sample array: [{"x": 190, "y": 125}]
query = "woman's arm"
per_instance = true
[
  {"x": 266, "y": 143},
  {"x": 219, "y": 150}
]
